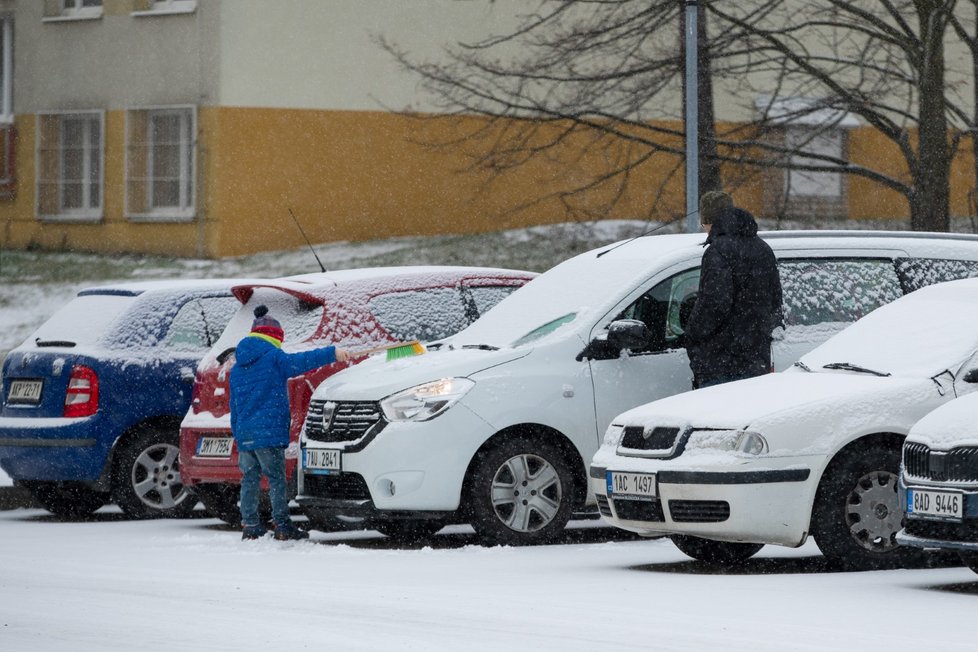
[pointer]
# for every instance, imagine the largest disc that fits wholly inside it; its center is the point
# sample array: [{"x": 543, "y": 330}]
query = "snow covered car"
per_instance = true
[
  {"x": 92, "y": 401},
  {"x": 939, "y": 480},
  {"x": 813, "y": 450},
  {"x": 354, "y": 309},
  {"x": 495, "y": 427}
]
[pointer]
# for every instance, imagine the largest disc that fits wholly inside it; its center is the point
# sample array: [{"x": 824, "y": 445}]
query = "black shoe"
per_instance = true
[
  {"x": 252, "y": 532},
  {"x": 290, "y": 532}
]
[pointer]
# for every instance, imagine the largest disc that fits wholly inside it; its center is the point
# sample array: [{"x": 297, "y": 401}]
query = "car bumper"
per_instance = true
[
  {"x": 406, "y": 470},
  {"x": 921, "y": 531},
  {"x": 752, "y": 503},
  {"x": 55, "y": 449},
  {"x": 199, "y": 469}
]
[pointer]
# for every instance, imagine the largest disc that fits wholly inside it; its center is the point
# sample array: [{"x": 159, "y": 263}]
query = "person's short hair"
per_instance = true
[{"x": 713, "y": 204}]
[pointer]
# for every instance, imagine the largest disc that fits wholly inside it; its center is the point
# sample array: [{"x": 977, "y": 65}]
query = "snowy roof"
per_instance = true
[{"x": 135, "y": 288}]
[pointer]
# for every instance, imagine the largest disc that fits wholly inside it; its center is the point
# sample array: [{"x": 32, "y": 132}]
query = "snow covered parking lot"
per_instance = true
[{"x": 113, "y": 584}]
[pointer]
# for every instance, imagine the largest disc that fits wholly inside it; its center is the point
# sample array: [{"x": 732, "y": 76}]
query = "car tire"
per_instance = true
[
  {"x": 408, "y": 530},
  {"x": 857, "y": 513},
  {"x": 521, "y": 492},
  {"x": 146, "y": 477},
  {"x": 969, "y": 559},
  {"x": 726, "y": 553},
  {"x": 67, "y": 499}
]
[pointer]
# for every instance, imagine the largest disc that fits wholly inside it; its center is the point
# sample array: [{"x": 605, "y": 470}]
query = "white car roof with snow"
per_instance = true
[{"x": 134, "y": 288}]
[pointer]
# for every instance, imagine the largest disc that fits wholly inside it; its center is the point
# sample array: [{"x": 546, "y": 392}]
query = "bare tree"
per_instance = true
[{"x": 603, "y": 76}]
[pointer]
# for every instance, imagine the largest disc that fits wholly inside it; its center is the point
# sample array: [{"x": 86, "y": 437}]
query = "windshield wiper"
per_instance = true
[
  {"x": 848, "y": 366},
  {"x": 481, "y": 347},
  {"x": 803, "y": 366}
]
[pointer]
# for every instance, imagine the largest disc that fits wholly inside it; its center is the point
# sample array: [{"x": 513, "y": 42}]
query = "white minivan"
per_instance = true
[{"x": 495, "y": 425}]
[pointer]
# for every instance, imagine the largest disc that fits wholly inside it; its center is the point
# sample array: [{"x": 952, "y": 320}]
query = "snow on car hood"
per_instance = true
[
  {"x": 777, "y": 399},
  {"x": 950, "y": 425},
  {"x": 376, "y": 378}
]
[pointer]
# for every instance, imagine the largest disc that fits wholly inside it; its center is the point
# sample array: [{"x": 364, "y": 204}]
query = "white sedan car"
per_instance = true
[{"x": 812, "y": 450}]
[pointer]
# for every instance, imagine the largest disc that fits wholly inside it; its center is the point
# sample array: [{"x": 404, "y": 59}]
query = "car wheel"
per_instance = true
[
  {"x": 67, "y": 499},
  {"x": 970, "y": 559},
  {"x": 146, "y": 477},
  {"x": 408, "y": 530},
  {"x": 857, "y": 513},
  {"x": 715, "y": 552},
  {"x": 521, "y": 492}
]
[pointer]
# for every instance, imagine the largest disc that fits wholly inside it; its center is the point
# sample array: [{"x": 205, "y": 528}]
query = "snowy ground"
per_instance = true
[{"x": 109, "y": 584}]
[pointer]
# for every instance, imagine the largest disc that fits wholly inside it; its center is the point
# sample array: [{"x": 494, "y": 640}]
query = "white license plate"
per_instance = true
[
  {"x": 631, "y": 486},
  {"x": 25, "y": 391},
  {"x": 214, "y": 447},
  {"x": 943, "y": 504},
  {"x": 321, "y": 460}
]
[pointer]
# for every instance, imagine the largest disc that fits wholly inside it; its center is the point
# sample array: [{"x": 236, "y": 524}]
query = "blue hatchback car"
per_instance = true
[{"x": 92, "y": 401}]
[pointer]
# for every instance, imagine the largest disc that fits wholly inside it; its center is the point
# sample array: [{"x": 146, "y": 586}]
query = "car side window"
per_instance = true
[
  {"x": 427, "y": 315},
  {"x": 199, "y": 323},
  {"x": 916, "y": 273},
  {"x": 662, "y": 309},
  {"x": 818, "y": 291},
  {"x": 486, "y": 296}
]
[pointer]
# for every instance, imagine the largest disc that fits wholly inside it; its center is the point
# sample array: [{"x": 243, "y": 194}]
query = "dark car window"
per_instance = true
[
  {"x": 916, "y": 273},
  {"x": 818, "y": 291},
  {"x": 199, "y": 323},
  {"x": 426, "y": 315},
  {"x": 661, "y": 309}
]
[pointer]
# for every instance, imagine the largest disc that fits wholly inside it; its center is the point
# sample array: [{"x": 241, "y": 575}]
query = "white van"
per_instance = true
[{"x": 495, "y": 425}]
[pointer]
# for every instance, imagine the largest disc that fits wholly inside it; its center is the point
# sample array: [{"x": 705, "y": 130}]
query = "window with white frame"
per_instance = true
[
  {"x": 69, "y": 164},
  {"x": 144, "y": 7},
  {"x": 66, "y": 9},
  {"x": 161, "y": 154},
  {"x": 808, "y": 140}
]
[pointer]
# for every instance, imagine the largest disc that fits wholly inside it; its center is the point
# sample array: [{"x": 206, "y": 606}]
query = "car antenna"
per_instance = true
[
  {"x": 647, "y": 232},
  {"x": 299, "y": 226}
]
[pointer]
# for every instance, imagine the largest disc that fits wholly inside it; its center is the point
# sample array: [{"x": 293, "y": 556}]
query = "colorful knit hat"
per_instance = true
[{"x": 266, "y": 325}]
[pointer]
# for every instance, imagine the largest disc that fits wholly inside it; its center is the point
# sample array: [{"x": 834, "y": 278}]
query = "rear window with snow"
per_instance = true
[
  {"x": 818, "y": 290},
  {"x": 199, "y": 323},
  {"x": 921, "y": 272},
  {"x": 299, "y": 319},
  {"x": 83, "y": 320}
]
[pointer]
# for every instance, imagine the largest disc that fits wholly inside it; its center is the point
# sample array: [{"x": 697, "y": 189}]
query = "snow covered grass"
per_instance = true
[{"x": 109, "y": 584}]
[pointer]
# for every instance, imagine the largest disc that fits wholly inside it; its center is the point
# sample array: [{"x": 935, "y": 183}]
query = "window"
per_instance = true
[
  {"x": 156, "y": 7},
  {"x": 69, "y": 165},
  {"x": 820, "y": 291},
  {"x": 800, "y": 183},
  {"x": 199, "y": 323},
  {"x": 6, "y": 70},
  {"x": 426, "y": 315},
  {"x": 161, "y": 157},
  {"x": 72, "y": 9},
  {"x": 665, "y": 308},
  {"x": 916, "y": 273}
]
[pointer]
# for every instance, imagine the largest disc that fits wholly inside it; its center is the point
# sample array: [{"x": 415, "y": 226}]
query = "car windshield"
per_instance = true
[
  {"x": 921, "y": 334},
  {"x": 84, "y": 320}
]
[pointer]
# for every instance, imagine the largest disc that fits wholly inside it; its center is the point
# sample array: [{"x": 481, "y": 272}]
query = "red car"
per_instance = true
[{"x": 355, "y": 310}]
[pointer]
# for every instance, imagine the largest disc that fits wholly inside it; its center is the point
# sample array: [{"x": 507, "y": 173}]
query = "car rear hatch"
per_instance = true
[{"x": 55, "y": 372}]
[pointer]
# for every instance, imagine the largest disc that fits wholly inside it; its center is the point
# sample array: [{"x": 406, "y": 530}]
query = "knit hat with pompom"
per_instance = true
[{"x": 266, "y": 325}]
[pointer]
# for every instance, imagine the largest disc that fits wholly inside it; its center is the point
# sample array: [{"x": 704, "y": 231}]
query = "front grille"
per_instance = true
[
  {"x": 639, "y": 510},
  {"x": 956, "y": 465},
  {"x": 660, "y": 439},
  {"x": 350, "y": 420},
  {"x": 343, "y": 486},
  {"x": 943, "y": 530},
  {"x": 604, "y": 507},
  {"x": 699, "y": 511}
]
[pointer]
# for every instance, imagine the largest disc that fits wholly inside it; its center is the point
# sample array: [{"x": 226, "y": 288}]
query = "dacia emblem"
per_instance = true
[{"x": 329, "y": 407}]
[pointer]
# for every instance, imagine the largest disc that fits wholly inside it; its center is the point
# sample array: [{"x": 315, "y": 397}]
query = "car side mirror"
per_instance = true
[
  {"x": 971, "y": 376},
  {"x": 629, "y": 334}
]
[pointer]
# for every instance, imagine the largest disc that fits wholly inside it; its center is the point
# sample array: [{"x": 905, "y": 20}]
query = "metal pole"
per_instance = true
[{"x": 692, "y": 122}]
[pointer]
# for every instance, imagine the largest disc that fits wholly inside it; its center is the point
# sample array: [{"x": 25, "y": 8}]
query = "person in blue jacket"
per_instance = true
[{"x": 260, "y": 418}]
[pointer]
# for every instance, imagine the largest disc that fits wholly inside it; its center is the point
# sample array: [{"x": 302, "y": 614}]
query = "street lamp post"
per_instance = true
[{"x": 692, "y": 121}]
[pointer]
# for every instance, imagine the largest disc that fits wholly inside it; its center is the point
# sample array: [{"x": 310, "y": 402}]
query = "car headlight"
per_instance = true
[
  {"x": 735, "y": 441},
  {"x": 426, "y": 401}
]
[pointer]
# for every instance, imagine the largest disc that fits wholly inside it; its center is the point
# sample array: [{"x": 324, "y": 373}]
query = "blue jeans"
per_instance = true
[{"x": 271, "y": 462}]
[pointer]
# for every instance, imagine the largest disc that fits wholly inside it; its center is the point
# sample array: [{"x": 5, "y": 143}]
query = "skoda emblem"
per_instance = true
[{"x": 329, "y": 407}]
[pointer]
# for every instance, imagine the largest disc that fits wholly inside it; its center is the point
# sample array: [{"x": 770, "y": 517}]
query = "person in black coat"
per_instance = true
[{"x": 738, "y": 304}]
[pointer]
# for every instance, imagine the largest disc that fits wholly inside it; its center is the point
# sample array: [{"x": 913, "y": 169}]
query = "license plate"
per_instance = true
[
  {"x": 941, "y": 504},
  {"x": 631, "y": 486},
  {"x": 321, "y": 460},
  {"x": 214, "y": 447},
  {"x": 25, "y": 391}
]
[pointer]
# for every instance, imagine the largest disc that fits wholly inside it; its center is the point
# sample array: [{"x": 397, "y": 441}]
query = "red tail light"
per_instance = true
[{"x": 81, "y": 400}]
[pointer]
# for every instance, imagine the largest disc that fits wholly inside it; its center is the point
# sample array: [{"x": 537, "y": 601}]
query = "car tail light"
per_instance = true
[
  {"x": 81, "y": 400},
  {"x": 195, "y": 397}
]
